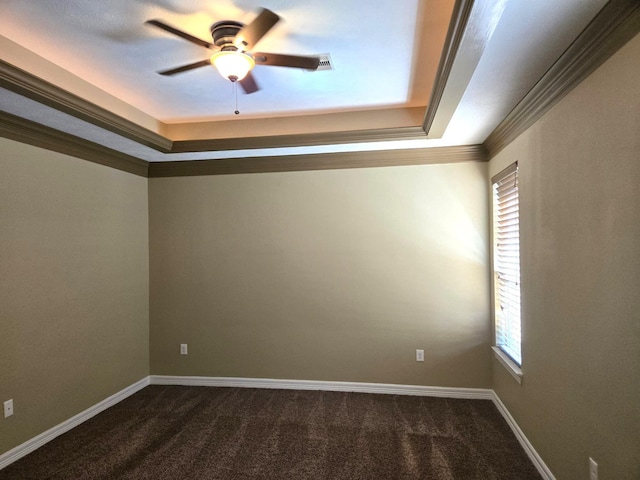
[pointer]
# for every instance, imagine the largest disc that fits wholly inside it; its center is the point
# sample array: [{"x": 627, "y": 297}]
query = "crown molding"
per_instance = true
[
  {"x": 459, "y": 20},
  {"x": 32, "y": 133},
  {"x": 22, "y": 82},
  {"x": 616, "y": 24},
  {"x": 299, "y": 140},
  {"x": 325, "y": 161}
]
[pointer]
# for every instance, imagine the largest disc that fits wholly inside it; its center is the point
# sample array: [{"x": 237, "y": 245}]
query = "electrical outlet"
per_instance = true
[
  {"x": 8, "y": 408},
  {"x": 419, "y": 355},
  {"x": 183, "y": 349},
  {"x": 593, "y": 469}
]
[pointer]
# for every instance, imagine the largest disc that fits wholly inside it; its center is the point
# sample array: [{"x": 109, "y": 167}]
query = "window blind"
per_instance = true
[{"x": 506, "y": 259}]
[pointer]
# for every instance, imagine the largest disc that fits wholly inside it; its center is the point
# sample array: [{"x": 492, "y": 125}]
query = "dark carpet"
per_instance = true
[{"x": 170, "y": 432}]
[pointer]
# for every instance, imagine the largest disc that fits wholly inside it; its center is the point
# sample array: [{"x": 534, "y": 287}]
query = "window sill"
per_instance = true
[{"x": 510, "y": 365}]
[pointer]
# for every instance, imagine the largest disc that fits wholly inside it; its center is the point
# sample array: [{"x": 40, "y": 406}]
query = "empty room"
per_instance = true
[{"x": 320, "y": 240}]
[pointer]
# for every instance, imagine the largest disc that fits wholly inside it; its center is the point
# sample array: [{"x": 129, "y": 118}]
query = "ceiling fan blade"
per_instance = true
[
  {"x": 248, "y": 36},
  {"x": 293, "y": 61},
  {"x": 249, "y": 84},
  {"x": 180, "y": 33},
  {"x": 184, "y": 68}
]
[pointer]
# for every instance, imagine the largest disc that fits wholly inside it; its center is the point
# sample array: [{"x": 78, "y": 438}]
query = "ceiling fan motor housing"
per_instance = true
[
  {"x": 224, "y": 34},
  {"x": 231, "y": 44}
]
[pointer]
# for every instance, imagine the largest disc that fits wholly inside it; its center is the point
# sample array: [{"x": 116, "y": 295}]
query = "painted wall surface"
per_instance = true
[
  {"x": 580, "y": 273},
  {"x": 328, "y": 275},
  {"x": 74, "y": 286}
]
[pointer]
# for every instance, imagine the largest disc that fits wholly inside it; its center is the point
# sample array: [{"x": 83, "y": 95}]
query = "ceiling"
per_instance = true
[
  {"x": 381, "y": 93},
  {"x": 107, "y": 44}
]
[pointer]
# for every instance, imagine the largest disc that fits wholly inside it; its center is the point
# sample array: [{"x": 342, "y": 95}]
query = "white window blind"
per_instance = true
[{"x": 506, "y": 262}]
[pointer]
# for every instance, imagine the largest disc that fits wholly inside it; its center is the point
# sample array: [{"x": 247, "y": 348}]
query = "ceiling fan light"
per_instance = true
[{"x": 233, "y": 66}]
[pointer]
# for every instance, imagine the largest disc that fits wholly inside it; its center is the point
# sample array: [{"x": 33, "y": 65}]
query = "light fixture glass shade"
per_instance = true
[{"x": 233, "y": 65}]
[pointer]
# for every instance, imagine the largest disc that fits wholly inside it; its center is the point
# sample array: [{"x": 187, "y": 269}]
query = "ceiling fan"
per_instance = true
[{"x": 233, "y": 42}]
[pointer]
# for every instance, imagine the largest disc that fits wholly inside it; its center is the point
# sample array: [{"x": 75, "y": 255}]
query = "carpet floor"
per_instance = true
[{"x": 198, "y": 433}]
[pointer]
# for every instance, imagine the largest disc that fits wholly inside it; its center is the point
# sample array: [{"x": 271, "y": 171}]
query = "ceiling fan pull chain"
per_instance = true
[{"x": 235, "y": 90}]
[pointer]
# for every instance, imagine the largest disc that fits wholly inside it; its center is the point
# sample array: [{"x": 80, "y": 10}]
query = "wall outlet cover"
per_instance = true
[{"x": 8, "y": 408}]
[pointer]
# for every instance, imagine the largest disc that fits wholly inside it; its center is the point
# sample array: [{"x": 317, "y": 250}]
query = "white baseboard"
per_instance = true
[
  {"x": 384, "y": 388},
  {"x": 528, "y": 448},
  {"x": 29, "y": 446}
]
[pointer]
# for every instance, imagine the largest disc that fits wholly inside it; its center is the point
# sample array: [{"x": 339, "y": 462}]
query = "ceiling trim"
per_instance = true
[
  {"x": 459, "y": 19},
  {"x": 616, "y": 24},
  {"x": 320, "y": 122},
  {"x": 38, "y": 135},
  {"x": 325, "y": 161},
  {"x": 299, "y": 140},
  {"x": 22, "y": 82}
]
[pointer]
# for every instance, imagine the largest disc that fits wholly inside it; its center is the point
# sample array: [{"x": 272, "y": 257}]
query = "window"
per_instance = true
[{"x": 506, "y": 266}]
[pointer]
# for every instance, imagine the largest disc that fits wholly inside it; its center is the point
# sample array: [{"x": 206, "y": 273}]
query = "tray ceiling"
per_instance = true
[{"x": 386, "y": 56}]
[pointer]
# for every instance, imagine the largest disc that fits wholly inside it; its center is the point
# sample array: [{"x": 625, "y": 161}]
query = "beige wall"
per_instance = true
[
  {"x": 580, "y": 256},
  {"x": 330, "y": 275},
  {"x": 73, "y": 286}
]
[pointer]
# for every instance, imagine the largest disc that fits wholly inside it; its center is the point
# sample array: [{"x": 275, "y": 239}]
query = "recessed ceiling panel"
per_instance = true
[{"x": 106, "y": 43}]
